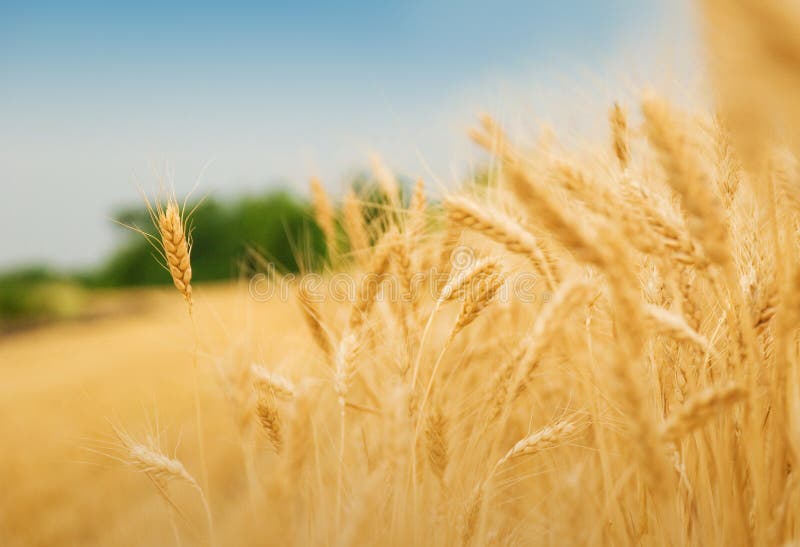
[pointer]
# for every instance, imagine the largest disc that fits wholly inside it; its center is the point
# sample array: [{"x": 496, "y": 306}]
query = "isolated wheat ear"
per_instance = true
[
  {"x": 148, "y": 458},
  {"x": 547, "y": 437},
  {"x": 177, "y": 247}
]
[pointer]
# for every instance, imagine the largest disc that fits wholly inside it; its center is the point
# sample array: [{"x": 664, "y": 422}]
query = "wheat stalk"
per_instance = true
[
  {"x": 476, "y": 299},
  {"x": 313, "y": 319},
  {"x": 416, "y": 212},
  {"x": 698, "y": 409},
  {"x": 345, "y": 360},
  {"x": 549, "y": 436},
  {"x": 571, "y": 294},
  {"x": 368, "y": 288},
  {"x": 618, "y": 120},
  {"x": 436, "y": 436},
  {"x": 148, "y": 458},
  {"x": 353, "y": 221},
  {"x": 601, "y": 246},
  {"x": 478, "y": 296},
  {"x": 460, "y": 282},
  {"x": 671, "y": 324},
  {"x": 386, "y": 181},
  {"x": 688, "y": 179},
  {"x": 500, "y": 228},
  {"x": 324, "y": 213},
  {"x": 456, "y": 286}
]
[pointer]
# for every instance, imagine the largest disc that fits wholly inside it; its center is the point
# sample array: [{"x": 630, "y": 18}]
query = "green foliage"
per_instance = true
[
  {"x": 33, "y": 294},
  {"x": 275, "y": 225}
]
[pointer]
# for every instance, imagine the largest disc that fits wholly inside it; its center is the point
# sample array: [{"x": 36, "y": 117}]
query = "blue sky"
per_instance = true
[{"x": 97, "y": 97}]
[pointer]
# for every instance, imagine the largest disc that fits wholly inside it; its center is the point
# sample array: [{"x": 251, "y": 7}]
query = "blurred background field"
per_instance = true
[{"x": 63, "y": 386}]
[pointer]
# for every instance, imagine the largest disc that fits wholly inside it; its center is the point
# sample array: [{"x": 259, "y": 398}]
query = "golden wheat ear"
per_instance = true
[
  {"x": 148, "y": 458},
  {"x": 324, "y": 215},
  {"x": 699, "y": 409},
  {"x": 270, "y": 420},
  {"x": 177, "y": 247},
  {"x": 618, "y": 120},
  {"x": 497, "y": 226},
  {"x": 353, "y": 222},
  {"x": 547, "y": 437}
]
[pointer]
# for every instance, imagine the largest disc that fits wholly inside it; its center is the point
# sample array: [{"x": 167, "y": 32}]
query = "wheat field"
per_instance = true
[{"x": 594, "y": 346}]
